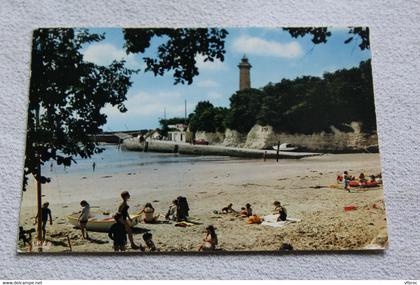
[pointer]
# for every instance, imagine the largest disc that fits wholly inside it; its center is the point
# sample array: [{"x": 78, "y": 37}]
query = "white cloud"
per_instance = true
[
  {"x": 104, "y": 54},
  {"x": 209, "y": 65},
  {"x": 145, "y": 104},
  {"x": 259, "y": 46},
  {"x": 214, "y": 95},
  {"x": 207, "y": 83}
]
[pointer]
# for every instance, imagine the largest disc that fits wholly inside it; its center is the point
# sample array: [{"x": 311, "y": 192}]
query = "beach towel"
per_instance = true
[
  {"x": 184, "y": 224},
  {"x": 271, "y": 220}
]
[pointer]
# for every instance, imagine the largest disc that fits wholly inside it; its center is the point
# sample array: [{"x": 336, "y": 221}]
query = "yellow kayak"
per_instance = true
[{"x": 100, "y": 221}]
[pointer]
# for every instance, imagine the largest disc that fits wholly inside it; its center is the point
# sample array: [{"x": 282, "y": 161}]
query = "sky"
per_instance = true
[{"x": 272, "y": 52}]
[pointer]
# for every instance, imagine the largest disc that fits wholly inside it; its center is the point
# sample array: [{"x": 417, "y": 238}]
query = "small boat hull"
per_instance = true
[
  {"x": 100, "y": 222},
  {"x": 285, "y": 147}
]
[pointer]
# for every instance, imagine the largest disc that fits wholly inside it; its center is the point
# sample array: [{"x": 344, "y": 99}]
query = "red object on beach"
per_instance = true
[
  {"x": 370, "y": 184},
  {"x": 339, "y": 178},
  {"x": 350, "y": 208},
  {"x": 354, "y": 184}
]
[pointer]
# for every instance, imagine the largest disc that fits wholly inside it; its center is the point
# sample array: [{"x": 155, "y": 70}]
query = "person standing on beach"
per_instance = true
[
  {"x": 93, "y": 166},
  {"x": 346, "y": 179},
  {"x": 45, "y": 214},
  {"x": 127, "y": 221},
  {"x": 118, "y": 233},
  {"x": 83, "y": 218}
]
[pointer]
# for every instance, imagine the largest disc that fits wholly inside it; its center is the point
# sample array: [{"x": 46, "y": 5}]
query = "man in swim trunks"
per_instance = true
[{"x": 126, "y": 220}]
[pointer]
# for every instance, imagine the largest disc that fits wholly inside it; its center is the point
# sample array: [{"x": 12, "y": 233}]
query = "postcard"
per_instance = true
[{"x": 201, "y": 140}]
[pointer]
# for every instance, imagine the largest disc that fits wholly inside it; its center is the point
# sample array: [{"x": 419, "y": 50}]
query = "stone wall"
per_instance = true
[{"x": 263, "y": 137}]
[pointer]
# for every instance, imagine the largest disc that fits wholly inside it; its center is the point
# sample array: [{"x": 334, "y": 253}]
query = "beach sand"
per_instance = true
[{"x": 211, "y": 185}]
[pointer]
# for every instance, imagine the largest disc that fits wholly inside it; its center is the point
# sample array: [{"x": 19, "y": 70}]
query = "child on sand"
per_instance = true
[
  {"x": 118, "y": 233},
  {"x": 228, "y": 209},
  {"x": 171, "y": 214},
  {"x": 346, "y": 178},
  {"x": 45, "y": 214},
  {"x": 362, "y": 178},
  {"x": 210, "y": 241},
  {"x": 127, "y": 221},
  {"x": 147, "y": 237},
  {"x": 243, "y": 212},
  {"x": 281, "y": 210},
  {"x": 83, "y": 218},
  {"x": 149, "y": 211}
]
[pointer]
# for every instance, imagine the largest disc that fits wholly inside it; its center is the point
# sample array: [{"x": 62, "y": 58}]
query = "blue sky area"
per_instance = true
[{"x": 273, "y": 54}]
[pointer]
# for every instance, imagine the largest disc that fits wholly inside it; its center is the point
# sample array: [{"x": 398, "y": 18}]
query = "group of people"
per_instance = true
[
  {"x": 118, "y": 232},
  {"x": 346, "y": 178},
  {"x": 178, "y": 211},
  {"x": 246, "y": 212}
]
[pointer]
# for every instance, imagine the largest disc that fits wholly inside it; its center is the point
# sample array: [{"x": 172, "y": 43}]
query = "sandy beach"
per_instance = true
[{"x": 302, "y": 185}]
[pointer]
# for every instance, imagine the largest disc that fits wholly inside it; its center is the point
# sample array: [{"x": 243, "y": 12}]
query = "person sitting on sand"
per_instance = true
[
  {"x": 248, "y": 210},
  {"x": 83, "y": 218},
  {"x": 127, "y": 221},
  {"x": 45, "y": 214},
  {"x": 362, "y": 178},
  {"x": 149, "y": 211},
  {"x": 372, "y": 178},
  {"x": 147, "y": 237},
  {"x": 210, "y": 241},
  {"x": 228, "y": 209},
  {"x": 379, "y": 178},
  {"x": 26, "y": 237},
  {"x": 118, "y": 233},
  {"x": 243, "y": 212},
  {"x": 171, "y": 214},
  {"x": 281, "y": 210}
]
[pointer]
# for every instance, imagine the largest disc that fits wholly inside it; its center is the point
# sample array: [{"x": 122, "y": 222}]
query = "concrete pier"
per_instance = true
[{"x": 185, "y": 148}]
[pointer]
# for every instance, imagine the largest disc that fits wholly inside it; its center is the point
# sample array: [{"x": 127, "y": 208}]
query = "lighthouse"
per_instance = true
[{"x": 244, "y": 73}]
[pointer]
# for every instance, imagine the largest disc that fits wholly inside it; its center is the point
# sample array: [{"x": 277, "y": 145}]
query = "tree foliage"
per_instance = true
[
  {"x": 180, "y": 50},
  {"x": 66, "y": 96},
  {"x": 321, "y": 35},
  {"x": 244, "y": 108},
  {"x": 207, "y": 118},
  {"x": 308, "y": 104}
]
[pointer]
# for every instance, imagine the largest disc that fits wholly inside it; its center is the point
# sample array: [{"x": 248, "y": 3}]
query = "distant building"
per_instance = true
[
  {"x": 179, "y": 127},
  {"x": 179, "y": 133},
  {"x": 244, "y": 73},
  {"x": 153, "y": 135},
  {"x": 177, "y": 136}
]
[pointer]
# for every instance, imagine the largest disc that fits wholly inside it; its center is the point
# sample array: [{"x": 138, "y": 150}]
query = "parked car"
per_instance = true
[{"x": 200, "y": 141}]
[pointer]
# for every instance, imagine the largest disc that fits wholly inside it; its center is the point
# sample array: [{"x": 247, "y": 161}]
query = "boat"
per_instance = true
[
  {"x": 367, "y": 184},
  {"x": 100, "y": 221},
  {"x": 286, "y": 147}
]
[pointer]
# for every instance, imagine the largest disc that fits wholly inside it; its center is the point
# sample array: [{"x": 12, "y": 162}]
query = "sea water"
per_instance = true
[{"x": 115, "y": 160}]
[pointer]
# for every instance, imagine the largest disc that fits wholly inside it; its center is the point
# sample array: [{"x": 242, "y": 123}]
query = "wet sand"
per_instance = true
[{"x": 211, "y": 185}]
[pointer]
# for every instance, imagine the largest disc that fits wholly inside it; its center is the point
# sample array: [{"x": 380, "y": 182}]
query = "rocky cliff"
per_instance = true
[{"x": 261, "y": 137}]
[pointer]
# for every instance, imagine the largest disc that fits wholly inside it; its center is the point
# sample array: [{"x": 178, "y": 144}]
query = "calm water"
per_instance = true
[{"x": 113, "y": 160}]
